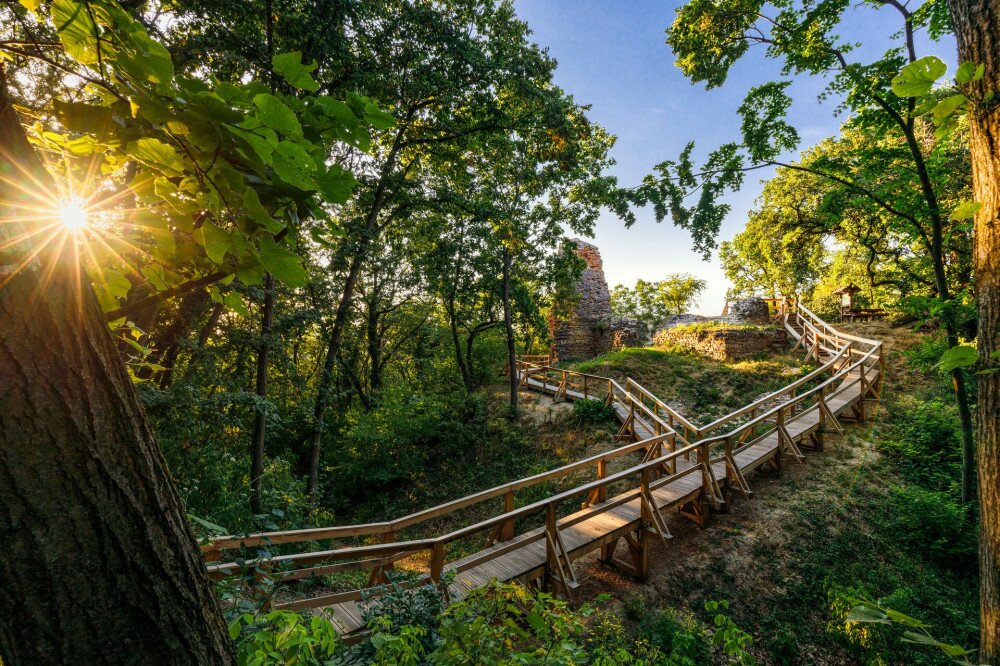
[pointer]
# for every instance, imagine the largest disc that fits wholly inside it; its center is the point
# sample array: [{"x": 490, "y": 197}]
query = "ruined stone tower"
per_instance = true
[{"x": 584, "y": 333}]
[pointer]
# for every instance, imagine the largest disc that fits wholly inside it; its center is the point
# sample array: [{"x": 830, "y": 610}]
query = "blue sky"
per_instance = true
[{"x": 612, "y": 55}]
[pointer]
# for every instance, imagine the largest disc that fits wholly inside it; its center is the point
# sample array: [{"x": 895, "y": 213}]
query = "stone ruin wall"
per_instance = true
[
  {"x": 731, "y": 344},
  {"x": 590, "y": 329}
]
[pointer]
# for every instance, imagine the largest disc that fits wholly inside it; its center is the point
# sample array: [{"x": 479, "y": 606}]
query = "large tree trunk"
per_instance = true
[
  {"x": 99, "y": 564},
  {"x": 977, "y": 27}
]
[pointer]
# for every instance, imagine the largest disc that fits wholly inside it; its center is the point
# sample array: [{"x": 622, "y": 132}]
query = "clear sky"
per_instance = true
[{"x": 612, "y": 55}]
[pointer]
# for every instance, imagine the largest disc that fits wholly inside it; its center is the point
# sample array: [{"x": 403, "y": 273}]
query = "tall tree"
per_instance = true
[
  {"x": 189, "y": 181},
  {"x": 977, "y": 26},
  {"x": 99, "y": 564},
  {"x": 709, "y": 37}
]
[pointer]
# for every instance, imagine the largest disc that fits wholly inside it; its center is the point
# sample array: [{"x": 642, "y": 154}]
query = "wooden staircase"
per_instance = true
[{"x": 673, "y": 465}]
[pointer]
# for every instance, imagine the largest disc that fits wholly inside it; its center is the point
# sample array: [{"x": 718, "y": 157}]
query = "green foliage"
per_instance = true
[
  {"x": 500, "y": 624},
  {"x": 219, "y": 171},
  {"x": 678, "y": 636},
  {"x": 897, "y": 627},
  {"x": 655, "y": 302},
  {"x": 283, "y": 638},
  {"x": 593, "y": 412}
]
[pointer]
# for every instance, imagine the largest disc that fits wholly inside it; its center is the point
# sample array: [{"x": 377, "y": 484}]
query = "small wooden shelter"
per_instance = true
[{"x": 847, "y": 310}]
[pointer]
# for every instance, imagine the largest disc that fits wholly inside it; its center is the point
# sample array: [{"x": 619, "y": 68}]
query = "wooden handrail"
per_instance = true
[
  {"x": 657, "y": 460},
  {"x": 325, "y": 533}
]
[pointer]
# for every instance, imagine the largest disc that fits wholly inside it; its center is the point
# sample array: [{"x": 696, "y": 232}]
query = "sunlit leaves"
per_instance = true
[
  {"x": 77, "y": 31},
  {"x": 969, "y": 72},
  {"x": 218, "y": 169},
  {"x": 283, "y": 264},
  {"x": 961, "y": 356},
  {"x": 298, "y": 74},
  {"x": 274, "y": 114},
  {"x": 707, "y": 37},
  {"x": 966, "y": 210},
  {"x": 918, "y": 77},
  {"x": 766, "y": 134},
  {"x": 156, "y": 154}
]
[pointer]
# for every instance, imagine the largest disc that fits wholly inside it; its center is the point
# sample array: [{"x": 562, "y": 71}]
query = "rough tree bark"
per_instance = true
[
  {"x": 99, "y": 564},
  {"x": 977, "y": 27}
]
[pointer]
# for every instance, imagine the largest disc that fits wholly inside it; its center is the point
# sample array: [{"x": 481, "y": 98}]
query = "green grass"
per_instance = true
[
  {"x": 706, "y": 326},
  {"x": 703, "y": 389},
  {"x": 876, "y": 515}
]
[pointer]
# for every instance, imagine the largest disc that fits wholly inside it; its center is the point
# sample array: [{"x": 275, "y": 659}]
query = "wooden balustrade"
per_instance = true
[{"x": 849, "y": 363}]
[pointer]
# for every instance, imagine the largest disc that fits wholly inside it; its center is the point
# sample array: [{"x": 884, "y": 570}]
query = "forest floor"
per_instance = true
[{"x": 835, "y": 524}]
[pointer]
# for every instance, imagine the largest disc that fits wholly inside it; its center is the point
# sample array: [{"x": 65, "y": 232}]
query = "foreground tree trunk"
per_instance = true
[
  {"x": 977, "y": 27},
  {"x": 99, "y": 564}
]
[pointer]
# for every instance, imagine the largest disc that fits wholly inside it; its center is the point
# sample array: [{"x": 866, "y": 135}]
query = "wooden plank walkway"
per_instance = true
[{"x": 683, "y": 468}]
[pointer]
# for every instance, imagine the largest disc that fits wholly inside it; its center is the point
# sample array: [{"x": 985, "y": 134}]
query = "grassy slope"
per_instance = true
[
  {"x": 870, "y": 516},
  {"x": 703, "y": 389}
]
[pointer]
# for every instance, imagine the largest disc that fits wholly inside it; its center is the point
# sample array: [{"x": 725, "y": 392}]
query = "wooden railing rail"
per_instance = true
[
  {"x": 394, "y": 526},
  {"x": 829, "y": 366},
  {"x": 778, "y": 411},
  {"x": 371, "y": 556},
  {"x": 690, "y": 430},
  {"x": 850, "y": 361}
]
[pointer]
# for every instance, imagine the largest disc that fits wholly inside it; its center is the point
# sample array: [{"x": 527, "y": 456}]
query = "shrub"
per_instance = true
[
  {"x": 282, "y": 637},
  {"x": 592, "y": 412},
  {"x": 680, "y": 637},
  {"x": 934, "y": 523},
  {"x": 925, "y": 444}
]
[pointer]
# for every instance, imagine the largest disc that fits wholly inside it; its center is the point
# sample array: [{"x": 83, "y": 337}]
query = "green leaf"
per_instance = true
[
  {"x": 273, "y": 113},
  {"x": 156, "y": 154},
  {"x": 211, "y": 527},
  {"x": 290, "y": 66},
  {"x": 294, "y": 166},
  {"x": 966, "y": 210},
  {"x": 918, "y": 77},
  {"x": 867, "y": 615},
  {"x": 234, "y": 629},
  {"x": 944, "y": 109},
  {"x": 257, "y": 212},
  {"x": 969, "y": 72},
  {"x": 380, "y": 119},
  {"x": 903, "y": 618},
  {"x": 962, "y": 356},
  {"x": 216, "y": 241},
  {"x": 282, "y": 263},
  {"x": 336, "y": 184},
  {"x": 77, "y": 31},
  {"x": 85, "y": 118}
]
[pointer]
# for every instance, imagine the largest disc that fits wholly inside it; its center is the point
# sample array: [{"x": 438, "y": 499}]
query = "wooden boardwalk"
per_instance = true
[{"x": 675, "y": 466}]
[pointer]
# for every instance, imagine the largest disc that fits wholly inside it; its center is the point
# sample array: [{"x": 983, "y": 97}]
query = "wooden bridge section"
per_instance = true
[{"x": 663, "y": 463}]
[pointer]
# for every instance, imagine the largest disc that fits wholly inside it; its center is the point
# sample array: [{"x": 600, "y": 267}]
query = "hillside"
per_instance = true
[{"x": 875, "y": 516}]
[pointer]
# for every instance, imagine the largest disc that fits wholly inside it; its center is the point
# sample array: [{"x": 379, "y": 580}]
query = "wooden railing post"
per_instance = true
[
  {"x": 507, "y": 527},
  {"x": 602, "y": 472},
  {"x": 780, "y": 425},
  {"x": 437, "y": 563}
]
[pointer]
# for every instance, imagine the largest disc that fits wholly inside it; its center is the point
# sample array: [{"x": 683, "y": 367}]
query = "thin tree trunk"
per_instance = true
[
  {"x": 99, "y": 564},
  {"x": 368, "y": 236},
  {"x": 203, "y": 336},
  {"x": 508, "y": 322},
  {"x": 977, "y": 27},
  {"x": 260, "y": 413}
]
